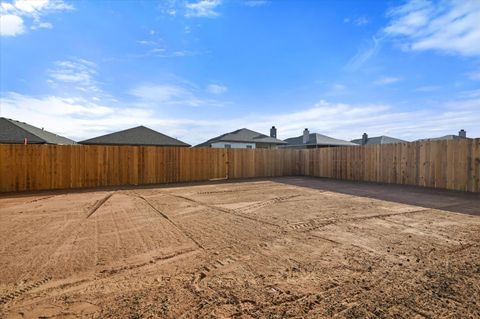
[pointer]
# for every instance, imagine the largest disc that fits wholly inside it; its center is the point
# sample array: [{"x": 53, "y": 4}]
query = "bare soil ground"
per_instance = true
[{"x": 262, "y": 249}]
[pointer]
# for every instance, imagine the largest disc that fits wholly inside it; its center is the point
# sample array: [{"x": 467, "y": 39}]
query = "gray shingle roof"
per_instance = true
[
  {"x": 139, "y": 135},
  {"x": 317, "y": 139},
  {"x": 446, "y": 137},
  {"x": 379, "y": 140},
  {"x": 14, "y": 132},
  {"x": 243, "y": 135}
]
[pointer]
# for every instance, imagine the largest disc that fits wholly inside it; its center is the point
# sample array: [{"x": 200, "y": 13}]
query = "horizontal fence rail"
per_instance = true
[{"x": 453, "y": 165}]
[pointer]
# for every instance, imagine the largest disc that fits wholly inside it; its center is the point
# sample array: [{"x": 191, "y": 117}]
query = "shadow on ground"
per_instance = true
[{"x": 453, "y": 201}]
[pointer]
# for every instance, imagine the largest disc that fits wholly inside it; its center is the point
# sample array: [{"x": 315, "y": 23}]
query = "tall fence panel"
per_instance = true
[
  {"x": 40, "y": 167},
  {"x": 447, "y": 164}
]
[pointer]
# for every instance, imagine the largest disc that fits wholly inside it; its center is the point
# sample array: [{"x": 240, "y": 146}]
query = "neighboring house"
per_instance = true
[
  {"x": 244, "y": 138},
  {"x": 15, "y": 132},
  {"x": 139, "y": 135},
  {"x": 314, "y": 140},
  {"x": 365, "y": 140},
  {"x": 462, "y": 134}
]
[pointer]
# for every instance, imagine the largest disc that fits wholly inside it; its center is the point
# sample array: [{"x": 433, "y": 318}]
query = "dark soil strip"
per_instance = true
[
  {"x": 40, "y": 199},
  {"x": 98, "y": 204}
]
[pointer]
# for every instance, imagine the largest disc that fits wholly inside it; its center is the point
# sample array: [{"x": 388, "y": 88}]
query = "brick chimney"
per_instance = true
[
  {"x": 306, "y": 136},
  {"x": 273, "y": 132},
  {"x": 364, "y": 138},
  {"x": 462, "y": 133}
]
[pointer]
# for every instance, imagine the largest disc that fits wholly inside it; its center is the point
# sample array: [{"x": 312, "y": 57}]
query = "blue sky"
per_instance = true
[{"x": 196, "y": 69}]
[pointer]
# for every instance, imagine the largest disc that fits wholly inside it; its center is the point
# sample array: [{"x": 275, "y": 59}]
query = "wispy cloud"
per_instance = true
[
  {"x": 256, "y": 3},
  {"x": 14, "y": 16},
  {"x": 447, "y": 26},
  {"x": 178, "y": 94},
  {"x": 203, "y": 8},
  {"x": 169, "y": 7},
  {"x": 216, "y": 89},
  {"x": 78, "y": 72},
  {"x": 387, "y": 80},
  {"x": 365, "y": 53},
  {"x": 427, "y": 88},
  {"x": 359, "y": 21},
  {"x": 162, "y": 52},
  {"x": 474, "y": 75}
]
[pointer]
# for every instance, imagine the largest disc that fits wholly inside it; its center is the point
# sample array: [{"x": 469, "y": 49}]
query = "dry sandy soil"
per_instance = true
[{"x": 261, "y": 249}]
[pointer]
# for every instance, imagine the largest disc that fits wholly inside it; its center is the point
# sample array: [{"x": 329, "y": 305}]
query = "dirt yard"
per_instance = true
[{"x": 260, "y": 249}]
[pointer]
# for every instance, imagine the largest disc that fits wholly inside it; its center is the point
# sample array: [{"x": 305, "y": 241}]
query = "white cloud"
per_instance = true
[
  {"x": 13, "y": 15},
  {"x": 256, "y": 3},
  {"x": 161, "y": 52},
  {"x": 168, "y": 7},
  {"x": 82, "y": 118},
  {"x": 203, "y": 8},
  {"x": 447, "y": 26},
  {"x": 387, "y": 80},
  {"x": 77, "y": 72},
  {"x": 216, "y": 89},
  {"x": 361, "y": 21},
  {"x": 338, "y": 87},
  {"x": 42, "y": 25},
  {"x": 171, "y": 94},
  {"x": 475, "y": 75},
  {"x": 427, "y": 88},
  {"x": 11, "y": 25},
  {"x": 369, "y": 50}
]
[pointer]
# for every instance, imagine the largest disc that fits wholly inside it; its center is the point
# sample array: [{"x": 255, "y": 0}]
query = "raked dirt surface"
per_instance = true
[{"x": 259, "y": 249}]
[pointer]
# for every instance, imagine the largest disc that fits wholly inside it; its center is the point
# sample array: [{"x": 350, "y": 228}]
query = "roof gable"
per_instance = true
[
  {"x": 12, "y": 131},
  {"x": 379, "y": 140},
  {"x": 442, "y": 138},
  {"x": 243, "y": 135},
  {"x": 318, "y": 139},
  {"x": 139, "y": 135}
]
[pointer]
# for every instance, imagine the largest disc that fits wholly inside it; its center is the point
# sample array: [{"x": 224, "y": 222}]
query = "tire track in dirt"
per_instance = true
[
  {"x": 256, "y": 206},
  {"x": 211, "y": 266},
  {"x": 17, "y": 293},
  {"x": 315, "y": 224},
  {"x": 71, "y": 239},
  {"x": 169, "y": 257},
  {"x": 170, "y": 221},
  {"x": 225, "y": 210},
  {"x": 99, "y": 204},
  {"x": 230, "y": 191}
]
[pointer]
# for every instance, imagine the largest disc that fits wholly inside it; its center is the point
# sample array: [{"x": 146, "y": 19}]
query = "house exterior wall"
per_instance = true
[
  {"x": 267, "y": 145},
  {"x": 233, "y": 145}
]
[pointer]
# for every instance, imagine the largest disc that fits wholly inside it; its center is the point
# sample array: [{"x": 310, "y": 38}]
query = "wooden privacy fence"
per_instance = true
[
  {"x": 41, "y": 167},
  {"x": 451, "y": 165},
  {"x": 447, "y": 164}
]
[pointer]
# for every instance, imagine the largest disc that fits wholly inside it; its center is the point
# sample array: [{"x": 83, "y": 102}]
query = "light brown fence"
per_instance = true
[
  {"x": 453, "y": 164},
  {"x": 442, "y": 164},
  {"x": 40, "y": 167}
]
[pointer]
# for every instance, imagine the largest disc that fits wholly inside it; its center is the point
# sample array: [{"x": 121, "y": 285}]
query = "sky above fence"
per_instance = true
[{"x": 196, "y": 69}]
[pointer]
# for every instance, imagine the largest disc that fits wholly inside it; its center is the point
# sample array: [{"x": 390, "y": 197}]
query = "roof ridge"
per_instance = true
[{"x": 14, "y": 122}]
